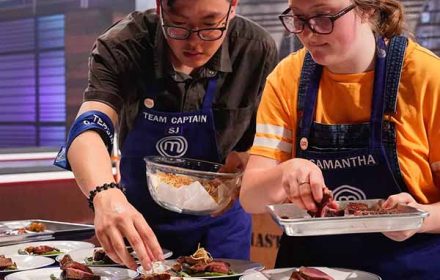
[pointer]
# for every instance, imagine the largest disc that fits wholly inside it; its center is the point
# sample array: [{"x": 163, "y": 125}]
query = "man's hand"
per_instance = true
[{"x": 115, "y": 220}]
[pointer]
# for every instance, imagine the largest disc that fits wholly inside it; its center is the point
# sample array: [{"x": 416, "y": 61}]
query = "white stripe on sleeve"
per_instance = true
[
  {"x": 274, "y": 130},
  {"x": 273, "y": 144}
]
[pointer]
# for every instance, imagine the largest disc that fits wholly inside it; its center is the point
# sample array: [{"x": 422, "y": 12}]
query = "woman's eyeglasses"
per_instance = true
[
  {"x": 182, "y": 33},
  {"x": 320, "y": 24}
]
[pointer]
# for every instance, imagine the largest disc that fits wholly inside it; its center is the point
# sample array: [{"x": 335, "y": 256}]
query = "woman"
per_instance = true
[
  {"x": 190, "y": 75},
  {"x": 335, "y": 115}
]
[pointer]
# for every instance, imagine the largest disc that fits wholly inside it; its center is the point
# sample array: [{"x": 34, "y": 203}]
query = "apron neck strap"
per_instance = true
[
  {"x": 377, "y": 106},
  {"x": 387, "y": 68},
  {"x": 210, "y": 93}
]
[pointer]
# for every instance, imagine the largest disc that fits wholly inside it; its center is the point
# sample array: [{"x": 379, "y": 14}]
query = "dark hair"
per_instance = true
[
  {"x": 388, "y": 17},
  {"x": 170, "y": 3}
]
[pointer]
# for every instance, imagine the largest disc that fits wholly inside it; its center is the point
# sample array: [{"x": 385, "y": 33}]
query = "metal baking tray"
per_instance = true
[
  {"x": 297, "y": 222},
  {"x": 54, "y": 230}
]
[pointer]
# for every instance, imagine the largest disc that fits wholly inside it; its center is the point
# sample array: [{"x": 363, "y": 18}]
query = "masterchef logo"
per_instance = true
[
  {"x": 172, "y": 146},
  {"x": 346, "y": 192}
]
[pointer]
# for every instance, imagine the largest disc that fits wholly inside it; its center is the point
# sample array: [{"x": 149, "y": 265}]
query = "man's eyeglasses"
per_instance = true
[
  {"x": 320, "y": 24},
  {"x": 205, "y": 34}
]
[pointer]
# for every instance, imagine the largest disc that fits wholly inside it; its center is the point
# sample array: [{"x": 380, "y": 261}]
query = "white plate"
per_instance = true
[
  {"x": 106, "y": 273},
  {"x": 240, "y": 267},
  {"x": 80, "y": 255},
  {"x": 336, "y": 273},
  {"x": 64, "y": 246},
  {"x": 28, "y": 262}
]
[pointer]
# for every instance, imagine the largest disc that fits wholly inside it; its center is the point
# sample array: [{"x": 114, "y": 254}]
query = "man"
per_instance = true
[{"x": 191, "y": 58}]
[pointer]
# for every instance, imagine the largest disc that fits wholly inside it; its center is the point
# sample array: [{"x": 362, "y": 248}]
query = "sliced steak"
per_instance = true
[
  {"x": 355, "y": 208},
  {"x": 40, "y": 250},
  {"x": 309, "y": 273},
  {"x": 214, "y": 266},
  {"x": 5, "y": 262},
  {"x": 76, "y": 271},
  {"x": 156, "y": 276},
  {"x": 296, "y": 276},
  {"x": 65, "y": 260},
  {"x": 101, "y": 255},
  {"x": 324, "y": 206},
  {"x": 76, "y": 274},
  {"x": 187, "y": 259}
]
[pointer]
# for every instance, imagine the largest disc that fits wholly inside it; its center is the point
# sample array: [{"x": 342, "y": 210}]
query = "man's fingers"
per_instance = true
[
  {"x": 120, "y": 249},
  {"x": 108, "y": 248},
  {"x": 149, "y": 239},
  {"x": 138, "y": 246}
]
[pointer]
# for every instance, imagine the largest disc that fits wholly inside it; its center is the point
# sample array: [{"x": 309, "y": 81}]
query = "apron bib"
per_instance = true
[
  {"x": 359, "y": 162},
  {"x": 191, "y": 135}
]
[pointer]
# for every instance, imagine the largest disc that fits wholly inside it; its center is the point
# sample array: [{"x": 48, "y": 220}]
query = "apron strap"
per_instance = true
[
  {"x": 396, "y": 54},
  {"x": 210, "y": 93},
  {"x": 377, "y": 108},
  {"x": 308, "y": 68},
  {"x": 387, "y": 77},
  {"x": 308, "y": 91}
]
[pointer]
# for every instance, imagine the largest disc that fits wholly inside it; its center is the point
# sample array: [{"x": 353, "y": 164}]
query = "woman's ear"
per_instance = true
[{"x": 366, "y": 15}]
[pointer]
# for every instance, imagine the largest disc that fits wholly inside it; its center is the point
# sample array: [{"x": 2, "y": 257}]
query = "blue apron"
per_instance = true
[
  {"x": 359, "y": 162},
  {"x": 191, "y": 135}
]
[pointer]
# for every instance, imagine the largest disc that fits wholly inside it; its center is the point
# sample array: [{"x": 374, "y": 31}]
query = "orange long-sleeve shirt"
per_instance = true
[{"x": 346, "y": 99}]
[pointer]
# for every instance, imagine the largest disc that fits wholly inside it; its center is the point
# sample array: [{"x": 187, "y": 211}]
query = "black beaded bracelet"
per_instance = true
[{"x": 103, "y": 188}]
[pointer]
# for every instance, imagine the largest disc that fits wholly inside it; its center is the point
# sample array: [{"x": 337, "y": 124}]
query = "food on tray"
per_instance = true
[
  {"x": 12, "y": 232},
  {"x": 42, "y": 250},
  {"x": 32, "y": 227},
  {"x": 328, "y": 208},
  {"x": 7, "y": 263},
  {"x": 36, "y": 227},
  {"x": 75, "y": 271},
  {"x": 99, "y": 258},
  {"x": 309, "y": 273}
]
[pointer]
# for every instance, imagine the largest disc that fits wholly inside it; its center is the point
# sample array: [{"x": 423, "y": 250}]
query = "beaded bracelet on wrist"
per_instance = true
[{"x": 103, "y": 188}]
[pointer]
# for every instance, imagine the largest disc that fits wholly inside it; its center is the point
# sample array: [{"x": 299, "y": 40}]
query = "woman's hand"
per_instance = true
[
  {"x": 303, "y": 183},
  {"x": 391, "y": 202},
  {"x": 116, "y": 219},
  {"x": 235, "y": 162}
]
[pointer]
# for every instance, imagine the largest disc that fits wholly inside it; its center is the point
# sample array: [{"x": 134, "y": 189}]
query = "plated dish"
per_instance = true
[
  {"x": 96, "y": 256},
  {"x": 20, "y": 231},
  {"x": 335, "y": 273},
  {"x": 21, "y": 263},
  {"x": 106, "y": 273},
  {"x": 202, "y": 265},
  {"x": 46, "y": 248}
]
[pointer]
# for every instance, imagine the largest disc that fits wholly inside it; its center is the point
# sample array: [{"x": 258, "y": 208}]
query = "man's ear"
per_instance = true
[
  {"x": 158, "y": 7},
  {"x": 234, "y": 4}
]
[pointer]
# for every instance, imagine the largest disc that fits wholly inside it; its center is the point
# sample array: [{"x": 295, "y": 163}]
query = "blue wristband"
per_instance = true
[{"x": 91, "y": 120}]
